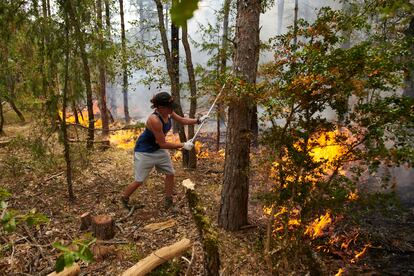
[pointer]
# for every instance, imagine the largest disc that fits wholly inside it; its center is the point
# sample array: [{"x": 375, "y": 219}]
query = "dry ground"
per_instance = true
[{"x": 37, "y": 180}]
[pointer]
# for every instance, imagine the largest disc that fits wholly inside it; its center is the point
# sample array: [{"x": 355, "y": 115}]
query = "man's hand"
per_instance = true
[
  {"x": 188, "y": 145},
  {"x": 202, "y": 119}
]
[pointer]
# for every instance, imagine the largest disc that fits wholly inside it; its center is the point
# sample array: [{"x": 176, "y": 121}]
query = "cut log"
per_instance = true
[
  {"x": 103, "y": 227},
  {"x": 208, "y": 234},
  {"x": 159, "y": 226},
  {"x": 73, "y": 270},
  {"x": 86, "y": 221},
  {"x": 158, "y": 257}
]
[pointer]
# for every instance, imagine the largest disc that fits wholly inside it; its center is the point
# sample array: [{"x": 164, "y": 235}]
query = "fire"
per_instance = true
[
  {"x": 124, "y": 139},
  {"x": 340, "y": 272},
  {"x": 326, "y": 147},
  {"x": 316, "y": 228},
  {"x": 353, "y": 196},
  {"x": 199, "y": 150},
  {"x": 359, "y": 255}
]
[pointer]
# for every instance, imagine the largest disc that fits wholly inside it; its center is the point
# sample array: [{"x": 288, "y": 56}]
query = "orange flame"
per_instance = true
[
  {"x": 359, "y": 255},
  {"x": 124, "y": 139},
  {"x": 316, "y": 228}
]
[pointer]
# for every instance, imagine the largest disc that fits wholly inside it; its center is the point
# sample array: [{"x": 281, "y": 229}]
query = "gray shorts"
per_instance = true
[{"x": 144, "y": 162}]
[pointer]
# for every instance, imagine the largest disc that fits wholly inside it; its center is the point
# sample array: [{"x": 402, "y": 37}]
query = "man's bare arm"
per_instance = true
[
  {"x": 182, "y": 120},
  {"x": 155, "y": 125}
]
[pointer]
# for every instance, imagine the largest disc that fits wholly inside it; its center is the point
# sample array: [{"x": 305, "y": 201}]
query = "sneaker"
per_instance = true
[{"x": 125, "y": 202}]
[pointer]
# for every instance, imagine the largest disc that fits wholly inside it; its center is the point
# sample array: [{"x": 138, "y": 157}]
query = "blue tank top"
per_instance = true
[{"x": 146, "y": 141}]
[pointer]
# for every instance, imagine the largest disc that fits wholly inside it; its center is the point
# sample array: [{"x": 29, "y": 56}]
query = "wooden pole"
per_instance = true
[{"x": 158, "y": 257}]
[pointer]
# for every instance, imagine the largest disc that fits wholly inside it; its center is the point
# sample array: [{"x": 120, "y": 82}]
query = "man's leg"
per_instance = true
[
  {"x": 169, "y": 189},
  {"x": 131, "y": 189},
  {"x": 128, "y": 192}
]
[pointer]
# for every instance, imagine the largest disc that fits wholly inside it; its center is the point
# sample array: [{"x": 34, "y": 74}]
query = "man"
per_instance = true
[{"x": 151, "y": 147}]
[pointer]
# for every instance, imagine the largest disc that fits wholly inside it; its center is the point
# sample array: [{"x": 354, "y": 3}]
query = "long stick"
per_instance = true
[{"x": 209, "y": 111}]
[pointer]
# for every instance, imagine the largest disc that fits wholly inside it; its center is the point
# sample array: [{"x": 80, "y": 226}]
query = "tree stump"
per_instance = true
[
  {"x": 86, "y": 221},
  {"x": 103, "y": 227}
]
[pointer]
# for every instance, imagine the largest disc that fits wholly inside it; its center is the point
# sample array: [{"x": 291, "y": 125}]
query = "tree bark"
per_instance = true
[
  {"x": 1, "y": 117},
  {"x": 86, "y": 73},
  {"x": 192, "y": 158},
  {"x": 172, "y": 61},
  {"x": 103, "y": 227},
  {"x": 280, "y": 12},
  {"x": 223, "y": 65},
  {"x": 102, "y": 72},
  {"x": 124, "y": 64},
  {"x": 66, "y": 146},
  {"x": 235, "y": 193},
  {"x": 409, "y": 79}
]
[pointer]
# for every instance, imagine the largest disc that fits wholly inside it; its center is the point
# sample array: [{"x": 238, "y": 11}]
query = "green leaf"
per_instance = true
[
  {"x": 60, "y": 263},
  {"x": 183, "y": 10},
  {"x": 86, "y": 255},
  {"x": 10, "y": 226},
  {"x": 61, "y": 247},
  {"x": 69, "y": 259}
]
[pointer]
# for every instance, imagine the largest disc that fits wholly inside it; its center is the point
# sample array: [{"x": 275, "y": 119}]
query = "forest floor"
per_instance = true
[{"x": 36, "y": 179}]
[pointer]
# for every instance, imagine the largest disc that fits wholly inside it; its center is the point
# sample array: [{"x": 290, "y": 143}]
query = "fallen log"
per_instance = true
[
  {"x": 158, "y": 257},
  {"x": 103, "y": 227},
  {"x": 208, "y": 234},
  {"x": 159, "y": 226},
  {"x": 73, "y": 270}
]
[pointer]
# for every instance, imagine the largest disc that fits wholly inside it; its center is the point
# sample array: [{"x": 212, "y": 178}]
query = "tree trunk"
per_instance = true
[
  {"x": 86, "y": 73},
  {"x": 1, "y": 117},
  {"x": 409, "y": 80},
  {"x": 111, "y": 93},
  {"x": 16, "y": 110},
  {"x": 235, "y": 193},
  {"x": 192, "y": 158},
  {"x": 172, "y": 60},
  {"x": 223, "y": 65},
  {"x": 102, "y": 72},
  {"x": 66, "y": 146},
  {"x": 295, "y": 22},
  {"x": 280, "y": 12},
  {"x": 124, "y": 64}
]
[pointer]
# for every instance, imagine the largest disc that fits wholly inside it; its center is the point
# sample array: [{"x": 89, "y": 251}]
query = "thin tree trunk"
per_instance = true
[
  {"x": 11, "y": 94},
  {"x": 1, "y": 117},
  {"x": 102, "y": 72},
  {"x": 86, "y": 73},
  {"x": 124, "y": 64},
  {"x": 235, "y": 192},
  {"x": 16, "y": 110},
  {"x": 223, "y": 65},
  {"x": 295, "y": 23},
  {"x": 172, "y": 67},
  {"x": 409, "y": 80},
  {"x": 192, "y": 159},
  {"x": 280, "y": 12},
  {"x": 63, "y": 122},
  {"x": 110, "y": 93}
]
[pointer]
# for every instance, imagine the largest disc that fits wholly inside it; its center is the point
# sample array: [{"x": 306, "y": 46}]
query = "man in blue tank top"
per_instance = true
[{"x": 151, "y": 148}]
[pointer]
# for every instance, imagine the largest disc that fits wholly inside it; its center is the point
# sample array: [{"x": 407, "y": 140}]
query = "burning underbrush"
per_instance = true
[{"x": 311, "y": 190}]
